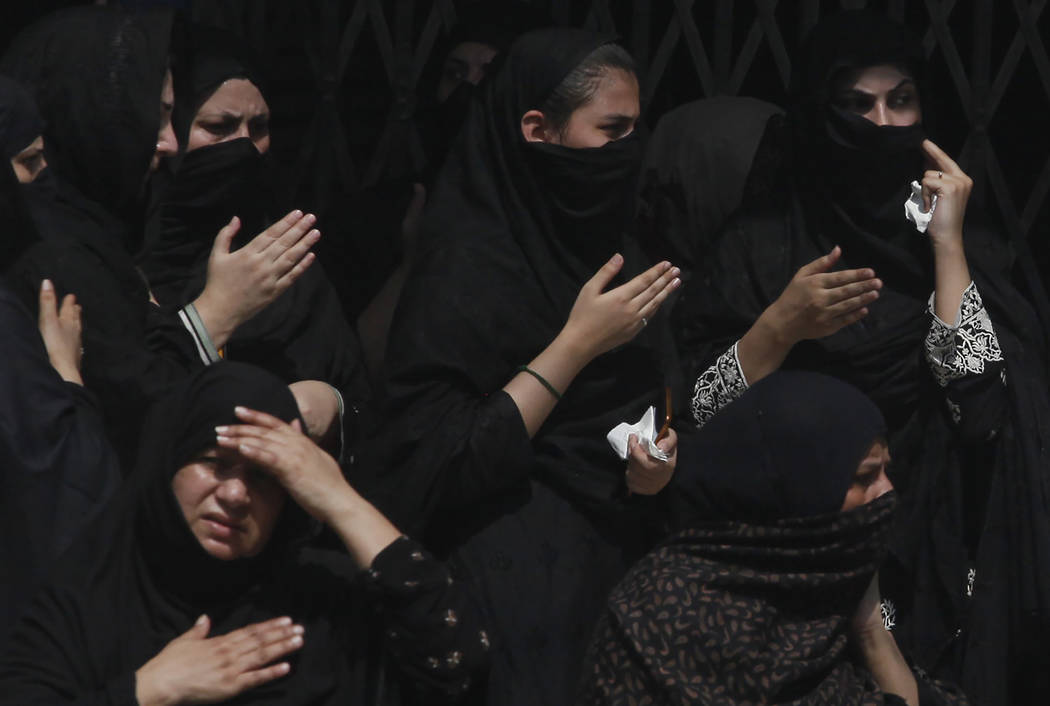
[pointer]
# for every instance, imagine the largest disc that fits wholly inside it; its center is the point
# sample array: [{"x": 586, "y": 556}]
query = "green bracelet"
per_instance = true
[{"x": 543, "y": 381}]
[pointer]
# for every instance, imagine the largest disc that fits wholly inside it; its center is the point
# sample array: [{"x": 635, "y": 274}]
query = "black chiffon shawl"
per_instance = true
[
  {"x": 492, "y": 286},
  {"x": 965, "y": 501}
]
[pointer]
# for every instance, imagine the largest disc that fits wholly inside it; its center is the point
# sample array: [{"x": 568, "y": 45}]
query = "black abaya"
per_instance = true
[
  {"x": 968, "y": 573},
  {"x": 512, "y": 232},
  {"x": 139, "y": 577},
  {"x": 97, "y": 76}
]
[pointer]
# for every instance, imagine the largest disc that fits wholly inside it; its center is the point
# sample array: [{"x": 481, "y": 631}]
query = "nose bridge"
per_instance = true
[
  {"x": 880, "y": 112},
  {"x": 242, "y": 129},
  {"x": 233, "y": 488},
  {"x": 168, "y": 143}
]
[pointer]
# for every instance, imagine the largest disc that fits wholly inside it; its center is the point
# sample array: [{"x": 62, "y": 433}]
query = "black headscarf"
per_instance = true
[
  {"x": 207, "y": 58},
  {"x": 967, "y": 502},
  {"x": 138, "y": 577},
  {"x": 751, "y": 602},
  {"x": 786, "y": 448},
  {"x": 696, "y": 165},
  {"x": 512, "y": 231},
  {"x": 20, "y": 121},
  {"x": 97, "y": 74}
]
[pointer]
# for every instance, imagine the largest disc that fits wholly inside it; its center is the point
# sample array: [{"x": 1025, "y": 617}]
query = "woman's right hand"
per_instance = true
[
  {"x": 817, "y": 302},
  {"x": 61, "y": 330},
  {"x": 197, "y": 669},
  {"x": 600, "y": 320},
  {"x": 245, "y": 281}
]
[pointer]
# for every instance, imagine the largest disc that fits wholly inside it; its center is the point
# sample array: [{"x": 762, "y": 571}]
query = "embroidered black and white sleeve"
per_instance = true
[
  {"x": 967, "y": 362},
  {"x": 967, "y": 346},
  {"x": 717, "y": 386}
]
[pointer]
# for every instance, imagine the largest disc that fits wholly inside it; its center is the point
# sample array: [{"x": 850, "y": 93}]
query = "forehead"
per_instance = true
[
  {"x": 617, "y": 94},
  {"x": 875, "y": 78},
  {"x": 235, "y": 95},
  {"x": 475, "y": 53}
]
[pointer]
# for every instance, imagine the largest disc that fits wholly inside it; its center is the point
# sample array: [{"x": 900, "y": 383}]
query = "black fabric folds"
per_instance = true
[
  {"x": 97, "y": 74},
  {"x": 786, "y": 448},
  {"x": 138, "y": 577},
  {"x": 20, "y": 122},
  {"x": 504, "y": 251},
  {"x": 974, "y": 495}
]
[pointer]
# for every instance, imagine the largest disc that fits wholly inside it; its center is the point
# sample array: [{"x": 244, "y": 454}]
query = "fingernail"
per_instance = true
[
  {"x": 201, "y": 620},
  {"x": 298, "y": 629},
  {"x": 222, "y": 439},
  {"x": 221, "y": 429},
  {"x": 297, "y": 213},
  {"x": 675, "y": 282},
  {"x": 284, "y": 621},
  {"x": 239, "y": 410},
  {"x": 675, "y": 271},
  {"x": 296, "y": 641},
  {"x": 47, "y": 286}
]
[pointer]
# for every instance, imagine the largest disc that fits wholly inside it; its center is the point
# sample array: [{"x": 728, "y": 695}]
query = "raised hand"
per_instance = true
[
  {"x": 312, "y": 478},
  {"x": 197, "y": 669},
  {"x": 818, "y": 302},
  {"x": 242, "y": 283},
  {"x": 600, "y": 320},
  {"x": 952, "y": 186},
  {"x": 61, "y": 330}
]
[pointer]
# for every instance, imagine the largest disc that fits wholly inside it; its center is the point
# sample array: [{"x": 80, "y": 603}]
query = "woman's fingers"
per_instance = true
[
  {"x": 831, "y": 280},
  {"x": 847, "y": 291},
  {"x": 299, "y": 250},
  {"x": 660, "y": 285},
  {"x": 641, "y": 282},
  {"x": 853, "y": 303},
  {"x": 822, "y": 264},
  {"x": 604, "y": 275},
  {"x": 268, "y": 237},
  {"x": 289, "y": 277},
  {"x": 224, "y": 240},
  {"x": 941, "y": 159},
  {"x": 258, "y": 677},
  {"x": 290, "y": 237}
]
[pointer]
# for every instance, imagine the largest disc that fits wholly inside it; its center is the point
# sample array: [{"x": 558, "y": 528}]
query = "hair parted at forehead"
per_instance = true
[{"x": 580, "y": 85}]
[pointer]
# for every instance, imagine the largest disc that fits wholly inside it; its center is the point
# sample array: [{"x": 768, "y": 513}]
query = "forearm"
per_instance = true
[
  {"x": 363, "y": 529},
  {"x": 762, "y": 349},
  {"x": 558, "y": 364},
  {"x": 951, "y": 278},
  {"x": 887, "y": 665}
]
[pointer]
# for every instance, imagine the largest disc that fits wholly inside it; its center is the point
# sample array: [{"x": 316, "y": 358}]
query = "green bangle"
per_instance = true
[{"x": 543, "y": 381}]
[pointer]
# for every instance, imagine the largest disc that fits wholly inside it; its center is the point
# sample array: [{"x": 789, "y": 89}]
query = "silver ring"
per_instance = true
[{"x": 645, "y": 321}]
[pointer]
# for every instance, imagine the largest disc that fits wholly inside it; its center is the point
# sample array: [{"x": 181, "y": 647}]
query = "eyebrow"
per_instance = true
[{"x": 854, "y": 89}]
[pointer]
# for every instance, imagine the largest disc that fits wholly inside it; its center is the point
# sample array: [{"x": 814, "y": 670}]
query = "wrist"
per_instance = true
[
  {"x": 770, "y": 332},
  {"x": 147, "y": 693},
  {"x": 572, "y": 349},
  {"x": 218, "y": 323}
]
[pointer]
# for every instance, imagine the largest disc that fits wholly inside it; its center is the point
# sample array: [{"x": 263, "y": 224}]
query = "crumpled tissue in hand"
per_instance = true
[
  {"x": 645, "y": 430},
  {"x": 913, "y": 208}
]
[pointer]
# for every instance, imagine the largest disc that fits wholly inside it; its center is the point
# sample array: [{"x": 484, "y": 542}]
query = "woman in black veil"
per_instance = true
[
  {"x": 224, "y": 169},
  {"x": 824, "y": 273},
  {"x": 509, "y": 363}
]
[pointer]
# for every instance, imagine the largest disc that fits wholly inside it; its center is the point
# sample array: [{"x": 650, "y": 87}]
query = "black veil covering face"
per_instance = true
[
  {"x": 97, "y": 75},
  {"x": 760, "y": 489},
  {"x": 20, "y": 122},
  {"x": 504, "y": 251},
  {"x": 138, "y": 577},
  {"x": 973, "y": 496},
  {"x": 303, "y": 335}
]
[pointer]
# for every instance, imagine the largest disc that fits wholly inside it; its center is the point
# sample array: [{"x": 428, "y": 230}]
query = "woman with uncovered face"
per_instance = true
[
  {"x": 826, "y": 274},
  {"x": 528, "y": 329},
  {"x": 195, "y": 585},
  {"x": 768, "y": 594}
]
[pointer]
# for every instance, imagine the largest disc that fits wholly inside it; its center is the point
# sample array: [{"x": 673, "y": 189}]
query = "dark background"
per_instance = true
[{"x": 344, "y": 78}]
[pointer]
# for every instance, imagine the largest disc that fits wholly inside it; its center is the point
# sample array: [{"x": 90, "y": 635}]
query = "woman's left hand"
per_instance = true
[
  {"x": 312, "y": 478},
  {"x": 952, "y": 186},
  {"x": 645, "y": 474}
]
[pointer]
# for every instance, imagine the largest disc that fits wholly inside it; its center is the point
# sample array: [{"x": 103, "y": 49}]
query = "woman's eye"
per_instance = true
[
  {"x": 220, "y": 129},
  {"x": 902, "y": 101}
]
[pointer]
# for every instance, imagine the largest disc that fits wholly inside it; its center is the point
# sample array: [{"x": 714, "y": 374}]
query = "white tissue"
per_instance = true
[
  {"x": 913, "y": 208},
  {"x": 645, "y": 430}
]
